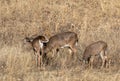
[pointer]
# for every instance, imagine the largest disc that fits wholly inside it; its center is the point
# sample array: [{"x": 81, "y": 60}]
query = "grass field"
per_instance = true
[{"x": 92, "y": 20}]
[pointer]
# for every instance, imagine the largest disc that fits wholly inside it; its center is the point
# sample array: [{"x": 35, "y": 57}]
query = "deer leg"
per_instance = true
[
  {"x": 36, "y": 58},
  {"x": 91, "y": 60},
  {"x": 70, "y": 51},
  {"x": 45, "y": 59},
  {"x": 40, "y": 61},
  {"x": 103, "y": 57},
  {"x": 108, "y": 61},
  {"x": 54, "y": 52},
  {"x": 41, "y": 57},
  {"x": 73, "y": 51}
]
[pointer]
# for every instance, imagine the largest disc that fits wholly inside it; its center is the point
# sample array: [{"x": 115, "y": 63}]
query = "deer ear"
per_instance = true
[{"x": 45, "y": 40}]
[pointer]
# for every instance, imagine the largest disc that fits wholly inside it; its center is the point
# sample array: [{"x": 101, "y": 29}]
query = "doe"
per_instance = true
[
  {"x": 61, "y": 40},
  {"x": 94, "y": 49},
  {"x": 37, "y": 44}
]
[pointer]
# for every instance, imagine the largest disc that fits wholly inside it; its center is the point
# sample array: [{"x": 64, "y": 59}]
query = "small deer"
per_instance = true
[
  {"x": 61, "y": 40},
  {"x": 94, "y": 49},
  {"x": 37, "y": 44}
]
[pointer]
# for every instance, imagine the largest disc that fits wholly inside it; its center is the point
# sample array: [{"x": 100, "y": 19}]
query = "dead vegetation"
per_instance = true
[{"x": 92, "y": 20}]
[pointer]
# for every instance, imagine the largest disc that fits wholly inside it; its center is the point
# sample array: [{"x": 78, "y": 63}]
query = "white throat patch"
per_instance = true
[{"x": 41, "y": 44}]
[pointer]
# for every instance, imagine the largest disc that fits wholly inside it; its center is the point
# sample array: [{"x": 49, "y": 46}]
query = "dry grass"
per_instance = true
[{"x": 92, "y": 20}]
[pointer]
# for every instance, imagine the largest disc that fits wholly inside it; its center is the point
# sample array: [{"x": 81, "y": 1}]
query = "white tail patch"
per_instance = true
[{"x": 41, "y": 44}]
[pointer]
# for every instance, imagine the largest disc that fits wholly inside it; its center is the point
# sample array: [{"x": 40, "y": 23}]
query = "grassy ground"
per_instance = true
[{"x": 92, "y": 20}]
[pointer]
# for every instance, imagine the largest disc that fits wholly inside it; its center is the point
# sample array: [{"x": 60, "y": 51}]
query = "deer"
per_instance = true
[
  {"x": 61, "y": 40},
  {"x": 95, "y": 49},
  {"x": 37, "y": 45}
]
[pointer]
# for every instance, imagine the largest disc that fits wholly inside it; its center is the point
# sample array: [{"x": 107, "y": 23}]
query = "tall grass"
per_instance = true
[{"x": 92, "y": 20}]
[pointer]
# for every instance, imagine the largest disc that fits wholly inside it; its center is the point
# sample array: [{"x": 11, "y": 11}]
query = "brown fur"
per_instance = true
[
  {"x": 35, "y": 42},
  {"x": 60, "y": 40},
  {"x": 94, "y": 49}
]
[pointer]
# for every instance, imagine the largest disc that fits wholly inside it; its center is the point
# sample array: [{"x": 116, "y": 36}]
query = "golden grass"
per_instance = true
[
  {"x": 92, "y": 20},
  {"x": 19, "y": 65}
]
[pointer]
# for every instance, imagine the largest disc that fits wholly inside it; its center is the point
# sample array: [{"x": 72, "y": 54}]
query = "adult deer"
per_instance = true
[
  {"x": 94, "y": 49},
  {"x": 37, "y": 44},
  {"x": 61, "y": 40}
]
